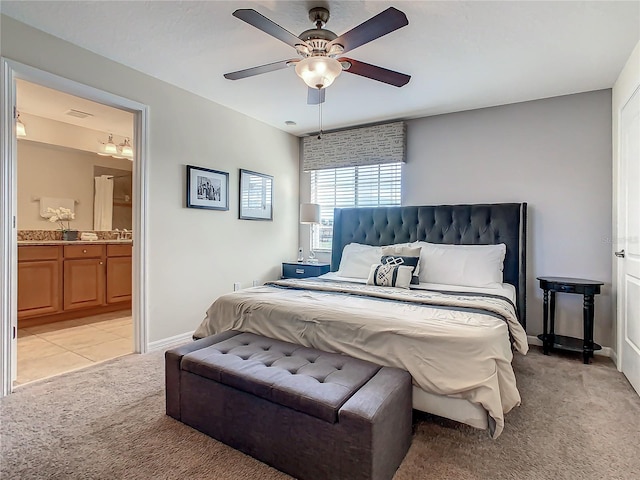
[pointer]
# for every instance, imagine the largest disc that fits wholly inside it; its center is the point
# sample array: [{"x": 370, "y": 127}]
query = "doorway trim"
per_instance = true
[{"x": 10, "y": 71}]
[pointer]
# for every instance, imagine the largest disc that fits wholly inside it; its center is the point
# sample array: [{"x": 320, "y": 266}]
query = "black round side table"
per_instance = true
[{"x": 587, "y": 288}]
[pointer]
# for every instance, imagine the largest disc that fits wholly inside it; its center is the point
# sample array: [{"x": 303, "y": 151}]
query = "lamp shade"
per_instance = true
[
  {"x": 21, "y": 131},
  {"x": 127, "y": 150},
  {"x": 309, "y": 213},
  {"x": 110, "y": 147},
  {"x": 318, "y": 72}
]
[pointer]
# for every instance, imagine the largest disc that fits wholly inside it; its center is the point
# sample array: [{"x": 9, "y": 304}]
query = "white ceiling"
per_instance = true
[
  {"x": 47, "y": 103},
  {"x": 461, "y": 55}
]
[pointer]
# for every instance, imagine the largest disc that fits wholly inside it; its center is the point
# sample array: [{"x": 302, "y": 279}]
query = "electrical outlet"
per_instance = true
[
  {"x": 255, "y": 283},
  {"x": 236, "y": 286}
]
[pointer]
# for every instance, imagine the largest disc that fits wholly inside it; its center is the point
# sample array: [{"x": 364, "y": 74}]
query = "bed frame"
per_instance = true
[{"x": 487, "y": 224}]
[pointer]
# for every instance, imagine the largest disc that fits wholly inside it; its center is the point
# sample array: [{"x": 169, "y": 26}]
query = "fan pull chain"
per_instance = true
[{"x": 319, "y": 120}]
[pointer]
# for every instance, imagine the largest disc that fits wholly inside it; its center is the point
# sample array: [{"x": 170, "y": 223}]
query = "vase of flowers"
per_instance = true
[{"x": 61, "y": 215}]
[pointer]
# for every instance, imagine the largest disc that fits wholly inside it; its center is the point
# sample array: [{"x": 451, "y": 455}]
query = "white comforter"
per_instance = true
[{"x": 448, "y": 350}]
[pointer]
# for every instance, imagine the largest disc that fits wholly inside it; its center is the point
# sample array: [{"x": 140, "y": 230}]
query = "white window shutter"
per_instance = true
[{"x": 362, "y": 186}]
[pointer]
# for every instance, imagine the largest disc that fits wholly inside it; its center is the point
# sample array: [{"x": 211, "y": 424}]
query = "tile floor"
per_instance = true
[{"x": 55, "y": 348}]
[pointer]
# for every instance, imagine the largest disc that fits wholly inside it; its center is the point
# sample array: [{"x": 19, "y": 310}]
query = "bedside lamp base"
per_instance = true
[{"x": 312, "y": 257}]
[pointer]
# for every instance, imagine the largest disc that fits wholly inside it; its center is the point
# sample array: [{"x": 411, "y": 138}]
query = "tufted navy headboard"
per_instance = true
[{"x": 452, "y": 224}]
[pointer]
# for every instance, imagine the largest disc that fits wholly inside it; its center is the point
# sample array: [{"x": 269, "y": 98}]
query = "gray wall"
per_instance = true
[{"x": 554, "y": 154}]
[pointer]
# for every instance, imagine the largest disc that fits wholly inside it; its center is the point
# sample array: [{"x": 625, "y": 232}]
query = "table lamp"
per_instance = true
[{"x": 310, "y": 214}]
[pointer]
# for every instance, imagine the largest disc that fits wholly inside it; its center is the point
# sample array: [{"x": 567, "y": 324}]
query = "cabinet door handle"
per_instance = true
[
  {"x": 619, "y": 254},
  {"x": 100, "y": 263},
  {"x": 299, "y": 271},
  {"x": 84, "y": 251}
]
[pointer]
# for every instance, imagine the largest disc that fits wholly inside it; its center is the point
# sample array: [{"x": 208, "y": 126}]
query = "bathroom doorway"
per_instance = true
[
  {"x": 84, "y": 302},
  {"x": 74, "y": 232}
]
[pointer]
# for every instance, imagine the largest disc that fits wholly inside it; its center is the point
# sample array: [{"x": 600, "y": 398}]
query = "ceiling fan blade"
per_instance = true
[
  {"x": 373, "y": 72},
  {"x": 269, "y": 67},
  {"x": 385, "y": 22},
  {"x": 263, "y": 23},
  {"x": 315, "y": 96}
]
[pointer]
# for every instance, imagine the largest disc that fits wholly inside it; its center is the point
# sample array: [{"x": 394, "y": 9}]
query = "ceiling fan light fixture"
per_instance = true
[
  {"x": 320, "y": 48},
  {"x": 318, "y": 72},
  {"x": 303, "y": 50},
  {"x": 335, "y": 50}
]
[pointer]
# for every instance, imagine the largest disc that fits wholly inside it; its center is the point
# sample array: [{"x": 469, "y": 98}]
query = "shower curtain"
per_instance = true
[{"x": 103, "y": 203}]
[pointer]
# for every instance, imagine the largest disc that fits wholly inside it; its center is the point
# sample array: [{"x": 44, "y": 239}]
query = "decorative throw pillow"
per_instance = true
[
  {"x": 390, "y": 275},
  {"x": 412, "y": 262},
  {"x": 410, "y": 256}
]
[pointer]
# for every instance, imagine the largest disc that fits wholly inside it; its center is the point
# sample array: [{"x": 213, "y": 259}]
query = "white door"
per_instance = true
[{"x": 629, "y": 239}]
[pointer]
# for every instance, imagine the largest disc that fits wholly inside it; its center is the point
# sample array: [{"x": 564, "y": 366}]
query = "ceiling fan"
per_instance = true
[{"x": 321, "y": 50}]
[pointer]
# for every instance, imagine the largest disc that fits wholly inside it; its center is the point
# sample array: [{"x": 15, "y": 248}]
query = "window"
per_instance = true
[{"x": 364, "y": 186}]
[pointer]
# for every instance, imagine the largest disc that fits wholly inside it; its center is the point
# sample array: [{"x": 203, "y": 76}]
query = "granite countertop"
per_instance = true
[{"x": 72, "y": 242}]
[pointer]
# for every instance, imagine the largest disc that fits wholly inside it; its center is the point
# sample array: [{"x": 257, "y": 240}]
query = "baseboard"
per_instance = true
[
  {"x": 614, "y": 357},
  {"x": 170, "y": 342},
  {"x": 605, "y": 352}
]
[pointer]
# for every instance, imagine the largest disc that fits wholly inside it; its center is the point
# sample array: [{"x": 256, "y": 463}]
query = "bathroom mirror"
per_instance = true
[{"x": 112, "y": 198}]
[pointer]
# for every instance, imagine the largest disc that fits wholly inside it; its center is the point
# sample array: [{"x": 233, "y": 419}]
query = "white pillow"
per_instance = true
[
  {"x": 390, "y": 276},
  {"x": 357, "y": 259},
  {"x": 468, "y": 265}
]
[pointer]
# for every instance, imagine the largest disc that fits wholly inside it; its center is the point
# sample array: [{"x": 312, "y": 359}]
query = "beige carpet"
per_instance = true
[{"x": 107, "y": 422}]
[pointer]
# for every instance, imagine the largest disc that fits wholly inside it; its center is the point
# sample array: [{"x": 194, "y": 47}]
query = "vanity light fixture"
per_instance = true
[
  {"x": 126, "y": 149},
  {"x": 122, "y": 150},
  {"x": 21, "y": 131},
  {"x": 109, "y": 148}
]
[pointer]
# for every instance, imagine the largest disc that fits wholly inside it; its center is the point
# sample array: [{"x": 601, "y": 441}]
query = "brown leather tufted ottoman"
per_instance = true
[{"x": 311, "y": 414}]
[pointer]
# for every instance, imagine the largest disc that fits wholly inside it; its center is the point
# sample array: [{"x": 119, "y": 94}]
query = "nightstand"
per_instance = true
[
  {"x": 304, "y": 270},
  {"x": 587, "y": 288}
]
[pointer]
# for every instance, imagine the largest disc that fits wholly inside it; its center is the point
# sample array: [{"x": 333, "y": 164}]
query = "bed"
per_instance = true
[{"x": 456, "y": 341}]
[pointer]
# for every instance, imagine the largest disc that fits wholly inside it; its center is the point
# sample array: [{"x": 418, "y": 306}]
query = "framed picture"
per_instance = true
[
  {"x": 207, "y": 188},
  {"x": 256, "y": 196}
]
